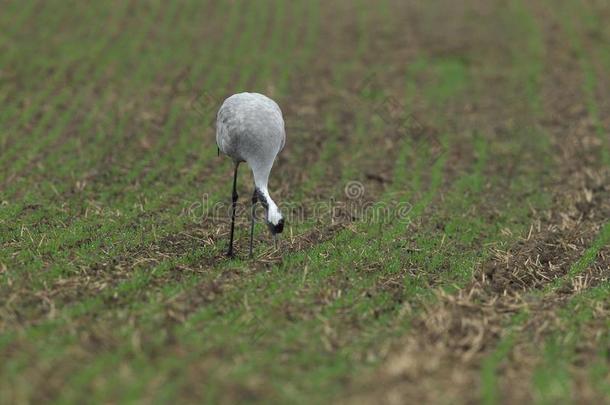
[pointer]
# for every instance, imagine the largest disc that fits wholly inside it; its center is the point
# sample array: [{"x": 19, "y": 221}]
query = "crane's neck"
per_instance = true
[{"x": 275, "y": 220}]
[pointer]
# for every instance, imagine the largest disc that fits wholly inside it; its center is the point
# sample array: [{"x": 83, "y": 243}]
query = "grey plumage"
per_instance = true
[{"x": 250, "y": 128}]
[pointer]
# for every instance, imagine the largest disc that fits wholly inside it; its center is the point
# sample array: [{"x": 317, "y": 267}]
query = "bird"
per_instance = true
[{"x": 250, "y": 128}]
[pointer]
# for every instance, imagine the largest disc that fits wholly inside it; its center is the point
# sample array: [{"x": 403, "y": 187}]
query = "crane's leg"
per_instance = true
[
  {"x": 233, "y": 208},
  {"x": 254, "y": 201}
]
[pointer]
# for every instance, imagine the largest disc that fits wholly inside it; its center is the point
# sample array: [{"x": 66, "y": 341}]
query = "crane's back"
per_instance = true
[{"x": 250, "y": 127}]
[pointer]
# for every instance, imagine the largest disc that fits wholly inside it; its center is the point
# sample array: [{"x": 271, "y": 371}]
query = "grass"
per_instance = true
[{"x": 113, "y": 283}]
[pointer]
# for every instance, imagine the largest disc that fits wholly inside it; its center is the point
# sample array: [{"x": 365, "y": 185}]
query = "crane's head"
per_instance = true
[
  {"x": 276, "y": 228},
  {"x": 274, "y": 219}
]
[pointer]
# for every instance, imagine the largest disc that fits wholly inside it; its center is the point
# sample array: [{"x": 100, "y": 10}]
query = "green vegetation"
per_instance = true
[{"x": 113, "y": 282}]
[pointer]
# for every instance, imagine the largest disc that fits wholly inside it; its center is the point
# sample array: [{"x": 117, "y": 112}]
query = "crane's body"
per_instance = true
[{"x": 250, "y": 128}]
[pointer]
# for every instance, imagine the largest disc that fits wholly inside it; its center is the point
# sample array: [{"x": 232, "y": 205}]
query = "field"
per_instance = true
[{"x": 446, "y": 185}]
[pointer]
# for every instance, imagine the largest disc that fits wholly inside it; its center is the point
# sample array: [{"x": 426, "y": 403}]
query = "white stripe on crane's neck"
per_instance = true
[
  {"x": 261, "y": 178},
  {"x": 273, "y": 212}
]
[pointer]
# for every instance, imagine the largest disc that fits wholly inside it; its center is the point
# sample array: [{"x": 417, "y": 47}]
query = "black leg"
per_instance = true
[
  {"x": 233, "y": 208},
  {"x": 254, "y": 201}
]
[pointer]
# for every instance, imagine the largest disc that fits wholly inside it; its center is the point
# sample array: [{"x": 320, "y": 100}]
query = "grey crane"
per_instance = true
[{"x": 250, "y": 128}]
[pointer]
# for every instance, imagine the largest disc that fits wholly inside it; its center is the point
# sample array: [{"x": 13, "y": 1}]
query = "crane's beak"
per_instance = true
[{"x": 276, "y": 242}]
